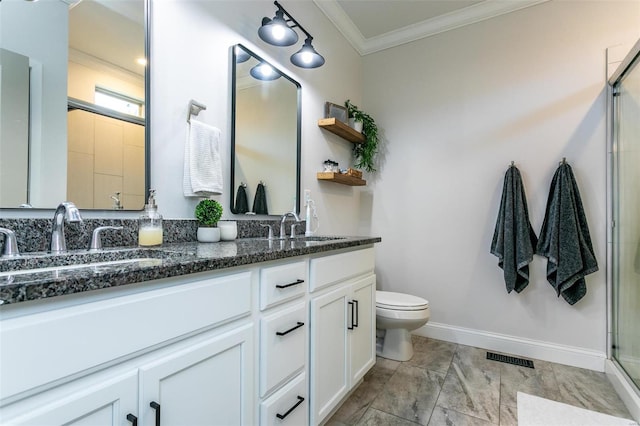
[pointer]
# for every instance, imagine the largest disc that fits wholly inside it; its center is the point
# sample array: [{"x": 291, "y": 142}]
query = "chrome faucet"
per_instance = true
[
  {"x": 10, "y": 243},
  {"x": 65, "y": 211},
  {"x": 117, "y": 204},
  {"x": 283, "y": 219}
]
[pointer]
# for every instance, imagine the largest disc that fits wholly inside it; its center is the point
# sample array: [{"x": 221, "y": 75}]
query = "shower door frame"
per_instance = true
[{"x": 630, "y": 61}]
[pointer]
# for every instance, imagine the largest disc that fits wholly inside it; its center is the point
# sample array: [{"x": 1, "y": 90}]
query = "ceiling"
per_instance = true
[{"x": 374, "y": 25}]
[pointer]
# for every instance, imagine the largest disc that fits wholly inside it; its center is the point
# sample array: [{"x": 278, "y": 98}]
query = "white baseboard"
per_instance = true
[
  {"x": 625, "y": 389},
  {"x": 552, "y": 352}
]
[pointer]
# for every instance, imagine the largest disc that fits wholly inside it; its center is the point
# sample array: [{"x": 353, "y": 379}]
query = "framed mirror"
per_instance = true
[
  {"x": 73, "y": 95},
  {"x": 265, "y": 136}
]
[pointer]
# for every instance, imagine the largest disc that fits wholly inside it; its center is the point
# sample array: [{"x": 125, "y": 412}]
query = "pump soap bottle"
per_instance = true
[{"x": 150, "y": 223}]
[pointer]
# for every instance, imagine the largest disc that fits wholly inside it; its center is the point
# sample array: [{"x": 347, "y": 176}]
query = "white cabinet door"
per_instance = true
[
  {"x": 328, "y": 366},
  {"x": 210, "y": 383},
  {"x": 362, "y": 344},
  {"x": 113, "y": 402}
]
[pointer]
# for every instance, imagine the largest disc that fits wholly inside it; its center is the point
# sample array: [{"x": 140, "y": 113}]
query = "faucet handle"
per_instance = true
[
  {"x": 270, "y": 235},
  {"x": 96, "y": 241},
  {"x": 10, "y": 243}
]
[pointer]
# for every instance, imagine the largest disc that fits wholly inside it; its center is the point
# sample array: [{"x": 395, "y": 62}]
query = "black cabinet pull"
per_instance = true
[
  {"x": 282, "y": 416},
  {"x": 296, "y": 282},
  {"x": 357, "y": 317},
  {"x": 350, "y": 327},
  {"x": 156, "y": 407},
  {"x": 295, "y": 327},
  {"x": 133, "y": 419}
]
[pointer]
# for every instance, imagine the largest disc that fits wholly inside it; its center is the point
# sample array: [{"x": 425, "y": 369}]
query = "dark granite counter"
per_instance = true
[{"x": 80, "y": 270}]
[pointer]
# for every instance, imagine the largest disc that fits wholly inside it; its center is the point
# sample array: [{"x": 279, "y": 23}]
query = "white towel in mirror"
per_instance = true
[{"x": 202, "y": 163}]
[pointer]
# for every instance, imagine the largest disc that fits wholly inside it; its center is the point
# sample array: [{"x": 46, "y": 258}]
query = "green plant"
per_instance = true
[
  {"x": 208, "y": 213},
  {"x": 364, "y": 153}
]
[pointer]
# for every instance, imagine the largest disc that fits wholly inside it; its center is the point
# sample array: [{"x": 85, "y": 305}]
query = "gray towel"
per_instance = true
[
  {"x": 513, "y": 239},
  {"x": 565, "y": 239},
  {"x": 260, "y": 200},
  {"x": 242, "y": 205}
]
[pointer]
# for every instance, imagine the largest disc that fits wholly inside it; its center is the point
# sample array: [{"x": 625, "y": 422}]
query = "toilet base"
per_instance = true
[{"x": 397, "y": 345}]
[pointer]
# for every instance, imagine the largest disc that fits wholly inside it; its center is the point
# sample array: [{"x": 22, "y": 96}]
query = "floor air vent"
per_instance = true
[{"x": 510, "y": 360}]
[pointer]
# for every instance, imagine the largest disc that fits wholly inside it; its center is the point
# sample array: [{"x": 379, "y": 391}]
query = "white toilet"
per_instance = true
[{"x": 398, "y": 314}]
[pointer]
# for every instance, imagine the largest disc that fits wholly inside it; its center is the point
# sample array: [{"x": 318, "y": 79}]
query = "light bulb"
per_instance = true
[
  {"x": 307, "y": 57},
  {"x": 278, "y": 32},
  {"x": 266, "y": 70}
]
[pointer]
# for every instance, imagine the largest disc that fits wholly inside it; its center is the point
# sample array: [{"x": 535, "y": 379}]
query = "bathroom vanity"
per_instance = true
[{"x": 244, "y": 332}]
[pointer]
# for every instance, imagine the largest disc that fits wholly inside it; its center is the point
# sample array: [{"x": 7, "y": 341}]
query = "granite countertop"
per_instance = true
[{"x": 79, "y": 270}]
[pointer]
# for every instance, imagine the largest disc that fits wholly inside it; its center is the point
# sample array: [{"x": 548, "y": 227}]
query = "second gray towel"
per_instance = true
[
  {"x": 513, "y": 239},
  {"x": 565, "y": 239}
]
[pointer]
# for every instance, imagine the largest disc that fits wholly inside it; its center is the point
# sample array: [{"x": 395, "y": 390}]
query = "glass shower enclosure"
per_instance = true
[{"x": 625, "y": 213}]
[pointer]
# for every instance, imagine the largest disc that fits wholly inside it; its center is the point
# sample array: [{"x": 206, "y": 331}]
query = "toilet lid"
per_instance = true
[{"x": 400, "y": 301}]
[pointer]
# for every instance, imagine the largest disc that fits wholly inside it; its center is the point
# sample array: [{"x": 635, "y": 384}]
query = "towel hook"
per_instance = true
[
  {"x": 564, "y": 161},
  {"x": 194, "y": 109},
  {"x": 513, "y": 163},
  {"x": 262, "y": 183}
]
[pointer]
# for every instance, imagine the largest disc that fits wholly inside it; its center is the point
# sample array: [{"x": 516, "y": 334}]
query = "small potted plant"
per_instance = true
[
  {"x": 364, "y": 153},
  {"x": 208, "y": 213}
]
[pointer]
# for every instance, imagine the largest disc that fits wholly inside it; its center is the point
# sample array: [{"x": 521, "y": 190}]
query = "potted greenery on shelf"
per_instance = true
[
  {"x": 364, "y": 153},
  {"x": 208, "y": 213}
]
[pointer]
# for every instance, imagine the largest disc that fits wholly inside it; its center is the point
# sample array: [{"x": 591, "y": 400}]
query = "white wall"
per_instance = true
[
  {"x": 190, "y": 60},
  {"x": 455, "y": 109}
]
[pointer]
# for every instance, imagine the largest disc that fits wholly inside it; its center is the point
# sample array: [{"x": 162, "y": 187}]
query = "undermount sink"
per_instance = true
[{"x": 141, "y": 262}]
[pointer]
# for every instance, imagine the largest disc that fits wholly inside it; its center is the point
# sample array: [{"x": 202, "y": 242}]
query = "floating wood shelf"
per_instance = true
[
  {"x": 339, "y": 128},
  {"x": 341, "y": 178}
]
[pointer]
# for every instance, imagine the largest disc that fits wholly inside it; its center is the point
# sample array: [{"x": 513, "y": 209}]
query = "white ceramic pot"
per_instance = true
[
  {"x": 355, "y": 125},
  {"x": 228, "y": 230},
  {"x": 208, "y": 235}
]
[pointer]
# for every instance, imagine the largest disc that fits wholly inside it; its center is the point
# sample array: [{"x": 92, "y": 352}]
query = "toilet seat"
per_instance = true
[{"x": 400, "y": 301}]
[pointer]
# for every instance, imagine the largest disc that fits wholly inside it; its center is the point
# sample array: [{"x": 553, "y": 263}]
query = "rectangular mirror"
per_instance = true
[
  {"x": 265, "y": 136},
  {"x": 72, "y": 104}
]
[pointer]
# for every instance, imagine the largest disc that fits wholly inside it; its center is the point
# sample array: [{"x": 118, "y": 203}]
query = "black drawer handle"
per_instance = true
[
  {"x": 350, "y": 327},
  {"x": 133, "y": 419},
  {"x": 156, "y": 407},
  {"x": 295, "y": 327},
  {"x": 282, "y": 416},
  {"x": 357, "y": 317},
  {"x": 296, "y": 282}
]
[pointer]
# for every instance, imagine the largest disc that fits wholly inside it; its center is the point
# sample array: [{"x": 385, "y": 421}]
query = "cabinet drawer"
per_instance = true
[
  {"x": 288, "y": 406},
  {"x": 94, "y": 333},
  {"x": 283, "y": 342},
  {"x": 281, "y": 283},
  {"x": 328, "y": 270}
]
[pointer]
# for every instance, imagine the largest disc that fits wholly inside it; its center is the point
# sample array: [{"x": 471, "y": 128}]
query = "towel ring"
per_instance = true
[{"x": 194, "y": 109}]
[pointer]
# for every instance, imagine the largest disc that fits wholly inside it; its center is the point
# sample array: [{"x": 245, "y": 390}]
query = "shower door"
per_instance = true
[{"x": 626, "y": 216}]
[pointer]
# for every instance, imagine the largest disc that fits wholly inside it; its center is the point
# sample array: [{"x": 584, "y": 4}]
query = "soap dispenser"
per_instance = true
[{"x": 150, "y": 223}]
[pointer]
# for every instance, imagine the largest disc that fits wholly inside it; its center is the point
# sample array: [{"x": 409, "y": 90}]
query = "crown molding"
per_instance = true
[{"x": 469, "y": 15}]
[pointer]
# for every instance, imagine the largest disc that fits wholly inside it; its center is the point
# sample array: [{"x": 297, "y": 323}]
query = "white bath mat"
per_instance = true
[{"x": 536, "y": 411}]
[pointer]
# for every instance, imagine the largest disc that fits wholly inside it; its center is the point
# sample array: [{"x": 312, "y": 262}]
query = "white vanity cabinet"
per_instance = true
[
  {"x": 342, "y": 327},
  {"x": 274, "y": 343}
]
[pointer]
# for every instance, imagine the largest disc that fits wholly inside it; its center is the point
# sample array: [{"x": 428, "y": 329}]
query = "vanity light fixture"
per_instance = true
[
  {"x": 277, "y": 32},
  {"x": 264, "y": 72},
  {"x": 241, "y": 55}
]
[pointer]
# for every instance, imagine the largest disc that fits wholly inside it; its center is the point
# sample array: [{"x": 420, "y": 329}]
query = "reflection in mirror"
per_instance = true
[
  {"x": 265, "y": 138},
  {"x": 74, "y": 127}
]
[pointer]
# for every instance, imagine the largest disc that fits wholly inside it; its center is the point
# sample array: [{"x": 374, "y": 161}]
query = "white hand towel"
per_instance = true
[{"x": 202, "y": 163}]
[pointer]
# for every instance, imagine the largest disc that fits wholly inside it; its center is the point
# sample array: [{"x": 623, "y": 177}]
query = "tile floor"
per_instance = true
[{"x": 453, "y": 385}]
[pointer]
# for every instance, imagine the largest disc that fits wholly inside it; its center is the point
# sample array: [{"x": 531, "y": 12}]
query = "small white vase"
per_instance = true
[
  {"x": 208, "y": 235},
  {"x": 355, "y": 125}
]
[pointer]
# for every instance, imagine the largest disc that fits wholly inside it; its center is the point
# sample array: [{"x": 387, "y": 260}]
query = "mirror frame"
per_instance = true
[
  {"x": 233, "y": 125},
  {"x": 147, "y": 120}
]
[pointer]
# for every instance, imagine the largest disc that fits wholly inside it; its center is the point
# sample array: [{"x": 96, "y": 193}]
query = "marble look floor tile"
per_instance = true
[
  {"x": 432, "y": 354},
  {"x": 588, "y": 389},
  {"x": 474, "y": 391},
  {"x": 443, "y": 416},
  {"x": 375, "y": 417},
  {"x": 410, "y": 393},
  {"x": 514, "y": 379},
  {"x": 355, "y": 406},
  {"x": 508, "y": 415}
]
